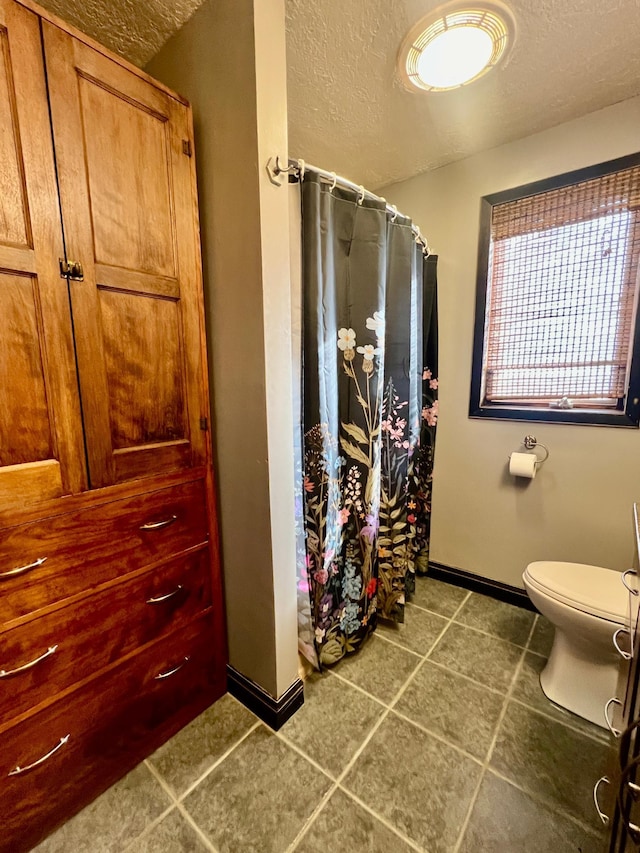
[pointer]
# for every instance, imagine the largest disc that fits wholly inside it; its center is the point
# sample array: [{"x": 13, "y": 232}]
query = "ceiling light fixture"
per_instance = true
[{"x": 455, "y": 44}]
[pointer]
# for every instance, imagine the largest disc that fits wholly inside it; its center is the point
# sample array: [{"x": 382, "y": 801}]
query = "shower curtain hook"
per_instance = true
[
  {"x": 301, "y": 170},
  {"x": 335, "y": 181},
  {"x": 395, "y": 213},
  {"x": 361, "y": 199}
]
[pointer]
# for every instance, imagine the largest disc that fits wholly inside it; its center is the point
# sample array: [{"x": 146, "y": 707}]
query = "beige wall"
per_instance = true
[
  {"x": 229, "y": 60},
  {"x": 579, "y": 506}
]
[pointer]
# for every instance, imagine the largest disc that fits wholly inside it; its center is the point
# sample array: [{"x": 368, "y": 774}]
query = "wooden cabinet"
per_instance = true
[
  {"x": 41, "y": 438},
  {"x": 111, "y": 622},
  {"x": 123, "y": 153}
]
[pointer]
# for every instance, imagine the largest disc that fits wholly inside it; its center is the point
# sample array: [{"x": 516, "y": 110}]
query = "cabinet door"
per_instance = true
[
  {"x": 41, "y": 446},
  {"x": 127, "y": 191}
]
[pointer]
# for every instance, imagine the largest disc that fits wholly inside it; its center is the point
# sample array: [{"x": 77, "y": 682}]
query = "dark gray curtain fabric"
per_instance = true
[{"x": 369, "y": 413}]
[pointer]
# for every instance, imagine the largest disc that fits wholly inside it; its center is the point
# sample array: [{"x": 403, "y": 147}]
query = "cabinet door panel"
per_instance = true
[
  {"x": 128, "y": 206},
  {"x": 23, "y": 398},
  {"x": 129, "y": 168},
  {"x": 41, "y": 445},
  {"x": 14, "y": 228}
]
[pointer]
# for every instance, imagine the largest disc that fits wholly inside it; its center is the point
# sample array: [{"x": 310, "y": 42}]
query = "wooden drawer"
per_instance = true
[
  {"x": 57, "y": 557},
  {"x": 109, "y": 726},
  {"x": 71, "y": 644}
]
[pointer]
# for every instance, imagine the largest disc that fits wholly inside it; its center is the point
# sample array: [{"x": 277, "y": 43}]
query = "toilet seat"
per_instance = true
[{"x": 590, "y": 589}]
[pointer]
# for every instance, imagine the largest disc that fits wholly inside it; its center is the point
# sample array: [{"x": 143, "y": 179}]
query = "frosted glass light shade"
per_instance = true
[
  {"x": 455, "y": 57},
  {"x": 456, "y": 44}
]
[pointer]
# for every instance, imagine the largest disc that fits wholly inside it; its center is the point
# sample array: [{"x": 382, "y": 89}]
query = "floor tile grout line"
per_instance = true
[
  {"x": 553, "y": 807},
  {"x": 535, "y": 622},
  {"x": 151, "y": 826},
  {"x": 438, "y": 737},
  {"x": 358, "y": 688},
  {"x": 428, "y": 610},
  {"x": 568, "y": 725},
  {"x": 358, "y": 752},
  {"x": 448, "y": 620},
  {"x": 312, "y": 818},
  {"x": 487, "y": 633},
  {"x": 408, "y": 841},
  {"x": 432, "y": 662},
  {"x": 200, "y": 832},
  {"x": 537, "y": 654},
  {"x": 355, "y": 756},
  {"x": 381, "y": 636},
  {"x": 408, "y": 719},
  {"x": 161, "y": 781},
  {"x": 219, "y": 760},
  {"x": 178, "y": 805},
  {"x": 303, "y": 754},
  {"x": 391, "y": 706},
  {"x": 461, "y": 605},
  {"x": 433, "y": 645},
  {"x": 180, "y": 797},
  {"x": 341, "y": 776},
  {"x": 468, "y": 678},
  {"x": 402, "y": 689},
  {"x": 375, "y": 728},
  {"x": 494, "y": 740}
]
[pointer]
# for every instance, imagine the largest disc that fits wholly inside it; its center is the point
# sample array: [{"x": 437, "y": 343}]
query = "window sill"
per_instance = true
[{"x": 588, "y": 417}]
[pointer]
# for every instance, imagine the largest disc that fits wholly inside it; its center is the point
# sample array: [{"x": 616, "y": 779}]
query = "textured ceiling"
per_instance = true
[
  {"x": 349, "y": 113},
  {"x": 136, "y": 29}
]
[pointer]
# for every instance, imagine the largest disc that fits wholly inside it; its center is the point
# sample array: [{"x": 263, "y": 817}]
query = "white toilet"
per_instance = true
[{"x": 587, "y": 605}]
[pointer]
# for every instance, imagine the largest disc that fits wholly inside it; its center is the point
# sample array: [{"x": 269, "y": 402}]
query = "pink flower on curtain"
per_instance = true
[
  {"x": 430, "y": 414},
  {"x": 370, "y": 528},
  {"x": 321, "y": 576}
]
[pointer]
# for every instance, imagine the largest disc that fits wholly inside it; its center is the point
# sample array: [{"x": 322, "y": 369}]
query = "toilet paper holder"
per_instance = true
[{"x": 530, "y": 442}]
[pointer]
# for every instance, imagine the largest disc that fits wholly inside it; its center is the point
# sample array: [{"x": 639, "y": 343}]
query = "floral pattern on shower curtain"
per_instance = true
[{"x": 370, "y": 411}]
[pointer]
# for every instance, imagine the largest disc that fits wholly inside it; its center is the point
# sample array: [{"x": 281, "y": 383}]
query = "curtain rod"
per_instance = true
[{"x": 297, "y": 168}]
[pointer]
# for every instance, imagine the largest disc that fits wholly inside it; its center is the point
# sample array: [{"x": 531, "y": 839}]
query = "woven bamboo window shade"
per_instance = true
[{"x": 563, "y": 277}]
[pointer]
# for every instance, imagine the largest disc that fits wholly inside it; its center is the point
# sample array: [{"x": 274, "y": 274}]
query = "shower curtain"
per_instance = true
[{"x": 369, "y": 414}]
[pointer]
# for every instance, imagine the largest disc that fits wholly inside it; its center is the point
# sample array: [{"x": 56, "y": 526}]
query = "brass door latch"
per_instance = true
[{"x": 71, "y": 269}]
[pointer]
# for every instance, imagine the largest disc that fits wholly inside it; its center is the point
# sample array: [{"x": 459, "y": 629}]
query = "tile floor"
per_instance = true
[{"x": 435, "y": 738}]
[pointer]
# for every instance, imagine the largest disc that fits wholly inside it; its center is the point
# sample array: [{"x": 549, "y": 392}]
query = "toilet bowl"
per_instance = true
[{"x": 587, "y": 605}]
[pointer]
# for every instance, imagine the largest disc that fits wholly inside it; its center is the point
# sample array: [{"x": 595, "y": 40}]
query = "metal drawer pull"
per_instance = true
[
  {"x": 5, "y": 673},
  {"x": 603, "y": 817},
  {"x": 173, "y": 671},
  {"x": 166, "y": 597},
  {"x": 12, "y": 573},
  {"x": 624, "y": 581},
  {"x": 18, "y": 770},
  {"x": 612, "y": 701},
  {"x": 625, "y": 655},
  {"x": 157, "y": 525}
]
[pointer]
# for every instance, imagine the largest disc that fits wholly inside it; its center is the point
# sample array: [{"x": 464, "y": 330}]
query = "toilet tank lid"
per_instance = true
[{"x": 590, "y": 588}]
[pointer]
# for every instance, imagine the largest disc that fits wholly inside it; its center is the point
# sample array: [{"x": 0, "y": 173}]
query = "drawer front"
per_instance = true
[
  {"x": 84, "y": 743},
  {"x": 52, "y": 559},
  {"x": 43, "y": 657}
]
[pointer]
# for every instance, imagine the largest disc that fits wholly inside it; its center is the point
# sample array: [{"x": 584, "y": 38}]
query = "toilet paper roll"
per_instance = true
[{"x": 523, "y": 465}]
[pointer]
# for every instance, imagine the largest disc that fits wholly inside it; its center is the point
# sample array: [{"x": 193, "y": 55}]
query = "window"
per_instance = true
[{"x": 556, "y": 335}]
